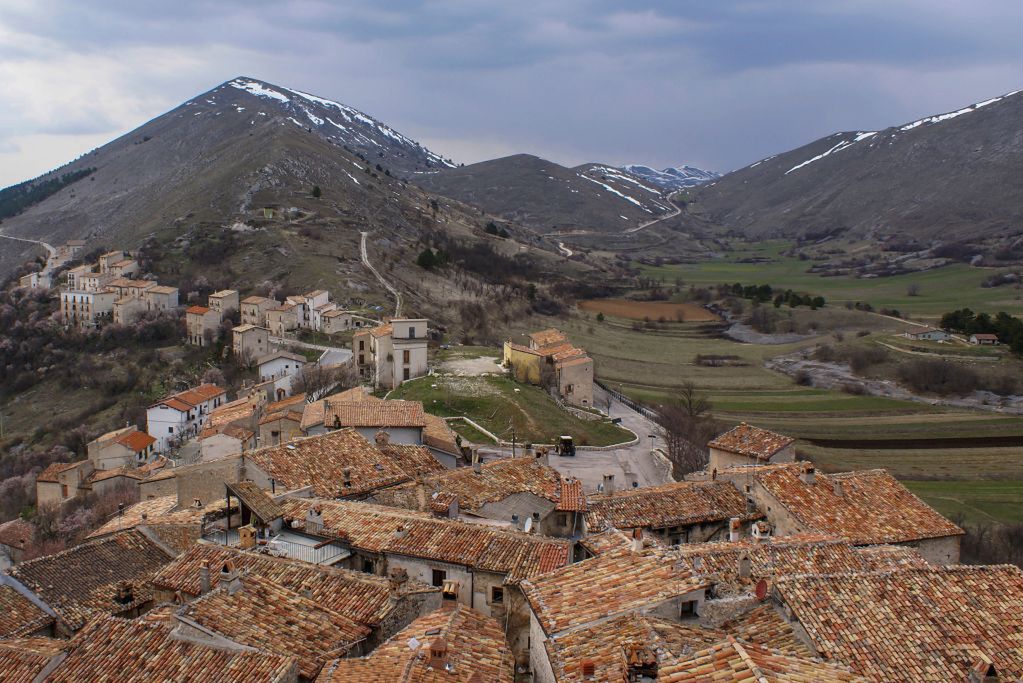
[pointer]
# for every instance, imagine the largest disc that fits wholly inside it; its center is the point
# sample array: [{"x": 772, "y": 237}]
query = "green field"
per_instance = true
[
  {"x": 940, "y": 290},
  {"x": 976, "y": 501},
  {"x": 507, "y": 408}
]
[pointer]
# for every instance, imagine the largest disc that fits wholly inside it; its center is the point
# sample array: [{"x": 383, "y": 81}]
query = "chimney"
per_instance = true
[
  {"x": 400, "y": 532},
  {"x": 589, "y": 668},
  {"x": 346, "y": 477},
  {"x": 836, "y": 488},
  {"x": 542, "y": 456},
  {"x": 714, "y": 474},
  {"x": 314, "y": 520},
  {"x": 125, "y": 594},
  {"x": 383, "y": 439},
  {"x": 204, "y": 577},
  {"x": 609, "y": 483},
  {"x": 698, "y": 564},
  {"x": 734, "y": 529},
  {"x": 476, "y": 461},
  {"x": 637, "y": 540},
  {"x": 745, "y": 565},
  {"x": 808, "y": 474},
  {"x": 306, "y": 591},
  {"x": 396, "y": 583},
  {"x": 229, "y": 578},
  {"x": 438, "y": 653},
  {"x": 421, "y": 496}
]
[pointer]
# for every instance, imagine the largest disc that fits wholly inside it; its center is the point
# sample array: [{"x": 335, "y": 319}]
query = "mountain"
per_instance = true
[
  {"x": 947, "y": 177},
  {"x": 221, "y": 157},
  {"x": 550, "y": 197},
  {"x": 672, "y": 178}
]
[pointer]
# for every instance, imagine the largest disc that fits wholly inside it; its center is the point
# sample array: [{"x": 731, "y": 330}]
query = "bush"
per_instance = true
[
  {"x": 804, "y": 378},
  {"x": 317, "y": 192},
  {"x": 934, "y": 376},
  {"x": 861, "y": 360}
]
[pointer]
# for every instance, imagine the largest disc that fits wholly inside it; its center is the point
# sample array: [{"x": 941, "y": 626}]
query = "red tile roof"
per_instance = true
[
  {"x": 917, "y": 624},
  {"x": 669, "y": 505},
  {"x": 129, "y": 651},
  {"x": 136, "y": 441},
  {"x": 22, "y": 660},
  {"x": 547, "y": 337},
  {"x": 19, "y": 616},
  {"x": 374, "y": 414},
  {"x": 572, "y": 498},
  {"x": 751, "y": 441},
  {"x": 476, "y": 649},
  {"x": 375, "y": 528},
  {"x": 53, "y": 469},
  {"x": 197, "y": 310},
  {"x": 732, "y": 660},
  {"x": 17, "y": 533}
]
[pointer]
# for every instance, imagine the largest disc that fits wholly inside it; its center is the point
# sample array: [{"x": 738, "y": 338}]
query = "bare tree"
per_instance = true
[
  {"x": 317, "y": 381},
  {"x": 686, "y": 426},
  {"x": 548, "y": 377}
]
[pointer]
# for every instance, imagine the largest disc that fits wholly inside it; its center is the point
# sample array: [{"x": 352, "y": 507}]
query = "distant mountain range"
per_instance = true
[
  {"x": 948, "y": 177},
  {"x": 672, "y": 178}
]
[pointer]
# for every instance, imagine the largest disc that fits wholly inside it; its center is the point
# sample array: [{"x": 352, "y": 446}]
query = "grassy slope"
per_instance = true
[
  {"x": 494, "y": 403},
  {"x": 978, "y": 501},
  {"x": 941, "y": 290}
]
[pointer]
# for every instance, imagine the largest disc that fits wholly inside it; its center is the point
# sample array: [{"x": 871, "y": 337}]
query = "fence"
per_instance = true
[{"x": 642, "y": 410}]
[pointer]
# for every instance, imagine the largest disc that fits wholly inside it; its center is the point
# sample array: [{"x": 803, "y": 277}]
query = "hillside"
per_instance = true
[
  {"x": 550, "y": 197},
  {"x": 673, "y": 177},
  {"x": 940, "y": 178}
]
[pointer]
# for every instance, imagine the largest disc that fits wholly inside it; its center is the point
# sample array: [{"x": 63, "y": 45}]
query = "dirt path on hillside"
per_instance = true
[{"x": 387, "y": 285}]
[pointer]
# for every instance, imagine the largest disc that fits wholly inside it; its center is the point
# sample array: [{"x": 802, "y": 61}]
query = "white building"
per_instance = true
[
  {"x": 84, "y": 309},
  {"x": 393, "y": 353},
  {"x": 281, "y": 367},
  {"x": 182, "y": 415}
]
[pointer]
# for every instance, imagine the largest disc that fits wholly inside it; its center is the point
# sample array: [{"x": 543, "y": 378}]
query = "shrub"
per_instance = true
[{"x": 939, "y": 377}]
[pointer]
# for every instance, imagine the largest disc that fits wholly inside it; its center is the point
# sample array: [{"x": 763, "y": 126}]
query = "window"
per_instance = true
[
  {"x": 438, "y": 577},
  {"x": 362, "y": 359},
  {"x": 496, "y": 595},
  {"x": 367, "y": 566},
  {"x": 411, "y": 333},
  {"x": 562, "y": 519},
  {"x": 63, "y": 490},
  {"x": 407, "y": 373},
  {"x": 362, "y": 345},
  {"x": 170, "y": 430},
  {"x": 406, "y": 356},
  {"x": 688, "y": 610}
]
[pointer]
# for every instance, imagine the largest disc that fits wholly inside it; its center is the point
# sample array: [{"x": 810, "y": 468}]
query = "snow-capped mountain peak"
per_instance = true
[{"x": 672, "y": 178}]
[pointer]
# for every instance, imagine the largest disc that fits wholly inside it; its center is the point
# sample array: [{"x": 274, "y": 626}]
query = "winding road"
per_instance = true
[
  {"x": 390, "y": 288},
  {"x": 678, "y": 210},
  {"x": 50, "y": 250}
]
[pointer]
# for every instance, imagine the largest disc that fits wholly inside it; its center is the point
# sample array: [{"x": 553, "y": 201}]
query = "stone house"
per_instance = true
[
  {"x": 254, "y": 309},
  {"x": 125, "y": 447},
  {"x": 390, "y": 354},
  {"x": 109, "y": 258},
  {"x": 127, "y": 310},
  {"x": 749, "y": 445},
  {"x": 281, "y": 421},
  {"x": 223, "y": 302},
  {"x": 552, "y": 361},
  {"x": 335, "y": 321},
  {"x": 867, "y": 507},
  {"x": 61, "y": 481},
  {"x": 402, "y": 421},
  {"x": 126, "y": 287},
  {"x": 281, "y": 366},
  {"x": 201, "y": 325},
  {"x": 473, "y": 564},
  {"x": 316, "y": 315},
  {"x": 282, "y": 319},
  {"x": 16, "y": 536},
  {"x": 249, "y": 342},
  {"x": 73, "y": 277},
  {"x": 84, "y": 309},
  {"x": 124, "y": 268},
  {"x": 161, "y": 298},
  {"x": 35, "y": 280},
  {"x": 182, "y": 415}
]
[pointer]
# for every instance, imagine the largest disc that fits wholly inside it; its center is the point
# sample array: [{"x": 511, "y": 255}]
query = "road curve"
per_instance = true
[{"x": 387, "y": 285}]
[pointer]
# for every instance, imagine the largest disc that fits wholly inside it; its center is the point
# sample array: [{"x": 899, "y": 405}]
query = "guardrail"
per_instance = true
[{"x": 642, "y": 410}]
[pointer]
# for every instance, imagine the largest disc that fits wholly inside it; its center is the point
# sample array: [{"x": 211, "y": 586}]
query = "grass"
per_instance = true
[
  {"x": 940, "y": 290},
  {"x": 505, "y": 408},
  {"x": 976, "y": 501}
]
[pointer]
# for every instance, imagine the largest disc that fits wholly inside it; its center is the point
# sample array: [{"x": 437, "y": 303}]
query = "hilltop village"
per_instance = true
[{"x": 310, "y": 526}]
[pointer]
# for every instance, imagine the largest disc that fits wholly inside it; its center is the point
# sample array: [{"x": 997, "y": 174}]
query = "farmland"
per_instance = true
[
  {"x": 939, "y": 290},
  {"x": 649, "y": 310}
]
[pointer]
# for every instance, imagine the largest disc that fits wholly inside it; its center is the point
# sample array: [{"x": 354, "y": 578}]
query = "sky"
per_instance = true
[{"x": 715, "y": 84}]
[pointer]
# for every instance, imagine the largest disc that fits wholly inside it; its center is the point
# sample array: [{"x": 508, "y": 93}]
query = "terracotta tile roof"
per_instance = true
[
  {"x": 891, "y": 557},
  {"x": 129, "y": 651},
  {"x": 19, "y": 616},
  {"x": 675, "y": 504},
  {"x": 22, "y": 660},
  {"x": 751, "y": 441},
  {"x": 572, "y": 498},
  {"x": 476, "y": 649},
  {"x": 313, "y": 413},
  {"x": 190, "y": 398},
  {"x": 17, "y": 533},
  {"x": 361, "y": 597},
  {"x": 293, "y": 414},
  {"x": 613, "y": 583},
  {"x": 177, "y": 404},
  {"x": 496, "y": 481},
  {"x": 289, "y": 402},
  {"x": 53, "y": 469},
  {"x": 547, "y": 337},
  {"x": 321, "y": 462},
  {"x": 162, "y": 510},
  {"x": 437, "y": 434},
  {"x": 136, "y": 441},
  {"x": 374, "y": 528},
  {"x": 373, "y": 414},
  {"x": 223, "y": 293},
  {"x": 732, "y": 660},
  {"x": 81, "y": 582},
  {"x": 916, "y": 624},
  {"x": 103, "y": 475},
  {"x": 162, "y": 289},
  {"x": 280, "y": 354},
  {"x": 613, "y": 539},
  {"x": 382, "y": 330},
  {"x": 523, "y": 349},
  {"x": 574, "y": 362},
  {"x": 197, "y": 310},
  {"x": 271, "y": 618},
  {"x": 867, "y": 507},
  {"x": 257, "y": 300},
  {"x": 239, "y": 410},
  {"x": 241, "y": 329},
  {"x": 764, "y": 625},
  {"x": 608, "y": 644},
  {"x": 257, "y": 500}
]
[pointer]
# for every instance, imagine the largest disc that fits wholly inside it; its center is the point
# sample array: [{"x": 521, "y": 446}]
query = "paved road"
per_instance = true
[
  {"x": 365, "y": 261},
  {"x": 665, "y": 217},
  {"x": 51, "y": 258},
  {"x": 630, "y": 464}
]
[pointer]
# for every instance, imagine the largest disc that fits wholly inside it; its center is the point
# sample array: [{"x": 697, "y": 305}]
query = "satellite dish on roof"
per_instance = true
[{"x": 762, "y": 590}]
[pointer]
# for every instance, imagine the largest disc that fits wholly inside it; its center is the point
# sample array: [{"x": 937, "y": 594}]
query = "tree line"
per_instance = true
[
  {"x": 1008, "y": 328},
  {"x": 762, "y": 294}
]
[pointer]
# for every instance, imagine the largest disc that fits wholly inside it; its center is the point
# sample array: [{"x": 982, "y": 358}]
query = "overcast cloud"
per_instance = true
[{"x": 713, "y": 84}]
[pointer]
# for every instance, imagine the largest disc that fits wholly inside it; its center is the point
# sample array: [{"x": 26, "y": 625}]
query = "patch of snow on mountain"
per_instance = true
[
  {"x": 614, "y": 191},
  {"x": 959, "y": 112},
  {"x": 258, "y": 89},
  {"x": 842, "y": 144}
]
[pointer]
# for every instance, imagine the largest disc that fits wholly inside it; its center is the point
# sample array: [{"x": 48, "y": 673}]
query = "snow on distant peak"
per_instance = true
[
  {"x": 953, "y": 114},
  {"x": 671, "y": 178},
  {"x": 842, "y": 144},
  {"x": 258, "y": 89}
]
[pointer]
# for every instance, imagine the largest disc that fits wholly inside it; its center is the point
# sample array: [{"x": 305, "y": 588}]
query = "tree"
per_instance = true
[
  {"x": 427, "y": 259},
  {"x": 317, "y": 191},
  {"x": 686, "y": 427},
  {"x": 317, "y": 381},
  {"x": 491, "y": 228},
  {"x": 600, "y": 317},
  {"x": 913, "y": 289}
]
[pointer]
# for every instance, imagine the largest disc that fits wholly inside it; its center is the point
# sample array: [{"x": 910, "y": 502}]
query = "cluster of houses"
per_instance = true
[
  {"x": 106, "y": 290},
  {"x": 550, "y": 359},
  {"x": 924, "y": 333},
  {"x": 373, "y": 548}
]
